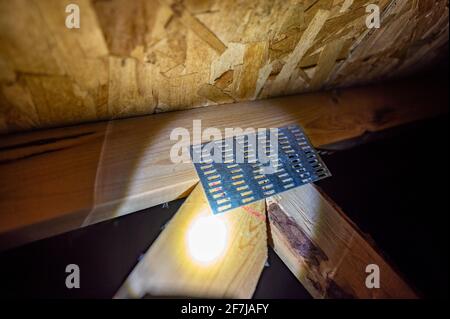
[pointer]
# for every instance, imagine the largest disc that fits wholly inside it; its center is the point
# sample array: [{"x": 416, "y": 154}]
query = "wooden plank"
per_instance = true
[
  {"x": 57, "y": 180},
  {"x": 325, "y": 250},
  {"x": 202, "y": 255}
]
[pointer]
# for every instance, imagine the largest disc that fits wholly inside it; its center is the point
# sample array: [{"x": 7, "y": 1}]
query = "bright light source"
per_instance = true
[{"x": 207, "y": 238}]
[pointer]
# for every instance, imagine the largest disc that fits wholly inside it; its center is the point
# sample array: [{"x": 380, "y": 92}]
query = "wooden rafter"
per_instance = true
[
  {"x": 170, "y": 267},
  {"x": 326, "y": 251},
  {"x": 57, "y": 180}
]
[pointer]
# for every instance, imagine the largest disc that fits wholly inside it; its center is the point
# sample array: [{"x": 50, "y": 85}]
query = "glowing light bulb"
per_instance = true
[{"x": 207, "y": 238}]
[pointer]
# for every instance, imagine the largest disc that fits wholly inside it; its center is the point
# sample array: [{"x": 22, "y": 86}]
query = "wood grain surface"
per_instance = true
[
  {"x": 56, "y": 180},
  {"x": 325, "y": 250},
  {"x": 169, "y": 269}
]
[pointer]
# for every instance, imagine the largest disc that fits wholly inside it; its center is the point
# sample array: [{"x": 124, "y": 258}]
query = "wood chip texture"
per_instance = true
[{"x": 147, "y": 56}]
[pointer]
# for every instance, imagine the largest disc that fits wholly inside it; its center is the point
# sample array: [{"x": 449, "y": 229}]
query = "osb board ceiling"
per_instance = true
[{"x": 141, "y": 57}]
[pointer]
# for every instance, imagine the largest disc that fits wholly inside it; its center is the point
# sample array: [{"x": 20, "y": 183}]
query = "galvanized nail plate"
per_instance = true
[{"x": 246, "y": 168}]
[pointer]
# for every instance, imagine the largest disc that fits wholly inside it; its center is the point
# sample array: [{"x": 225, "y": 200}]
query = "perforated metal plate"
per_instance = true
[{"x": 240, "y": 170}]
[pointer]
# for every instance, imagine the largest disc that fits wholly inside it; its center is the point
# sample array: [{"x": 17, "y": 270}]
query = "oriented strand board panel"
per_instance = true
[
  {"x": 148, "y": 56},
  {"x": 325, "y": 250},
  {"x": 199, "y": 254}
]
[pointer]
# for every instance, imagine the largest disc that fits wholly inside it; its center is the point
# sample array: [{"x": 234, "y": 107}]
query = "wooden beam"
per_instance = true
[
  {"x": 187, "y": 259},
  {"x": 325, "y": 251},
  {"x": 57, "y": 180}
]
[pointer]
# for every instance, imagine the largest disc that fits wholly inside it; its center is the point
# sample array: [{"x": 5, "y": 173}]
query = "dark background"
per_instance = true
[{"x": 394, "y": 188}]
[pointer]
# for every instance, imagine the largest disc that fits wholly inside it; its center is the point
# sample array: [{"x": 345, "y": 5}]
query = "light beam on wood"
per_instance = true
[{"x": 170, "y": 266}]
